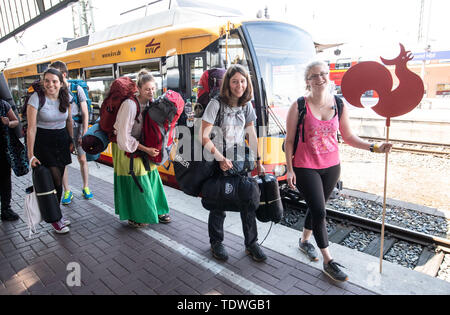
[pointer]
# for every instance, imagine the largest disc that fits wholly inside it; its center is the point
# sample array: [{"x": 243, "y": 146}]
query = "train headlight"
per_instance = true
[{"x": 279, "y": 170}]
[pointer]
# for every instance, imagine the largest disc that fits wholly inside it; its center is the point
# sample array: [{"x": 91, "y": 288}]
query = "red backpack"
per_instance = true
[
  {"x": 159, "y": 121},
  {"x": 209, "y": 85},
  {"x": 121, "y": 89}
]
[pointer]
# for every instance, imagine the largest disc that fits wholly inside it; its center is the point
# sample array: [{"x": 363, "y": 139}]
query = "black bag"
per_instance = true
[
  {"x": 243, "y": 159},
  {"x": 16, "y": 152},
  {"x": 231, "y": 193},
  {"x": 270, "y": 206},
  {"x": 189, "y": 173},
  {"x": 46, "y": 194}
]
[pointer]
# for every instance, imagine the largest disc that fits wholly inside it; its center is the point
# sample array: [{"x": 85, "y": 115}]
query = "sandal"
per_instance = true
[
  {"x": 137, "y": 225},
  {"x": 165, "y": 218}
]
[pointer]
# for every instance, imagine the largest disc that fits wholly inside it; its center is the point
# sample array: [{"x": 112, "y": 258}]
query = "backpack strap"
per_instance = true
[
  {"x": 301, "y": 107},
  {"x": 339, "y": 105}
]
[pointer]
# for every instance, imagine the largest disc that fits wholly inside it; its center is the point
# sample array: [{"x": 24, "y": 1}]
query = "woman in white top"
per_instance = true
[
  {"x": 140, "y": 209},
  {"x": 49, "y": 133}
]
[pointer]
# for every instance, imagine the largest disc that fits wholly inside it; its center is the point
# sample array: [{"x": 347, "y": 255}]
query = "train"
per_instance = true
[{"x": 177, "y": 46}]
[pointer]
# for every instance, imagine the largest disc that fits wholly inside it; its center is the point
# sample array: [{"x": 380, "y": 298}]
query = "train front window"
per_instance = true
[{"x": 282, "y": 52}]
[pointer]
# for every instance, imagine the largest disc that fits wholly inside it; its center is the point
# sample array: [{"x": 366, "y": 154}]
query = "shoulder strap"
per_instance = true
[
  {"x": 301, "y": 106},
  {"x": 219, "y": 116},
  {"x": 340, "y": 105}
]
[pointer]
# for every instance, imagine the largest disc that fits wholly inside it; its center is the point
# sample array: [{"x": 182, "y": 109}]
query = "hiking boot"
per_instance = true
[
  {"x": 9, "y": 215},
  {"x": 333, "y": 271},
  {"x": 308, "y": 249},
  {"x": 87, "y": 193},
  {"x": 219, "y": 252},
  {"x": 256, "y": 252},
  {"x": 67, "y": 199}
]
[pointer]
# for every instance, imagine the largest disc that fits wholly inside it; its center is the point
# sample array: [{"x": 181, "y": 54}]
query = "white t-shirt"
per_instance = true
[
  {"x": 49, "y": 116},
  {"x": 234, "y": 121}
]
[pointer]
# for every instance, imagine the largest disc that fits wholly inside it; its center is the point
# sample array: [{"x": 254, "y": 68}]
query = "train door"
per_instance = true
[{"x": 195, "y": 65}]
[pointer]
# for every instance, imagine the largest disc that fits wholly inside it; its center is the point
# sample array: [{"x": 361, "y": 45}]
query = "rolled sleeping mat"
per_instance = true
[
  {"x": 92, "y": 157},
  {"x": 95, "y": 140},
  {"x": 270, "y": 205},
  {"x": 46, "y": 194}
]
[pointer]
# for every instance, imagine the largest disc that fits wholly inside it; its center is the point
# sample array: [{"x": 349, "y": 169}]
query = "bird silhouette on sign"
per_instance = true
[{"x": 371, "y": 75}]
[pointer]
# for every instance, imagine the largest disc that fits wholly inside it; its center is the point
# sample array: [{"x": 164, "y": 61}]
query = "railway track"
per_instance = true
[
  {"x": 419, "y": 251},
  {"x": 439, "y": 149}
]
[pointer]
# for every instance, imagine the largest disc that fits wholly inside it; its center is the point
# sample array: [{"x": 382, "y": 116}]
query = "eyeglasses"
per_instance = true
[{"x": 316, "y": 76}]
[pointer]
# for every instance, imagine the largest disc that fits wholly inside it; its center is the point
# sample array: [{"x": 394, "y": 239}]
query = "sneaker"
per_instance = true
[
  {"x": 308, "y": 249},
  {"x": 9, "y": 215},
  {"x": 68, "y": 196},
  {"x": 66, "y": 222},
  {"x": 333, "y": 271},
  {"x": 219, "y": 252},
  {"x": 87, "y": 193},
  {"x": 256, "y": 252},
  {"x": 60, "y": 228}
]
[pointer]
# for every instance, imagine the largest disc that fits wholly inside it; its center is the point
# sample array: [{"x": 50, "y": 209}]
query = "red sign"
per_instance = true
[{"x": 370, "y": 75}]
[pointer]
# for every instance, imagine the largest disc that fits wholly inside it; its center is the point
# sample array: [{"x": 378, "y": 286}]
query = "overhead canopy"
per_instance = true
[{"x": 17, "y": 16}]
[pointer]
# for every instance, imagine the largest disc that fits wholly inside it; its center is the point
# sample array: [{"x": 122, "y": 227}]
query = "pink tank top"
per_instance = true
[{"x": 320, "y": 149}]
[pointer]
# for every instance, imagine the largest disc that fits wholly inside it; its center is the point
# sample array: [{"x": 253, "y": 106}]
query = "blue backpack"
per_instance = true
[{"x": 74, "y": 83}]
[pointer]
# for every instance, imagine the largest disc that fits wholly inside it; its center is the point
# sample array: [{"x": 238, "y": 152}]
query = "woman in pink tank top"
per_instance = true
[{"x": 314, "y": 167}]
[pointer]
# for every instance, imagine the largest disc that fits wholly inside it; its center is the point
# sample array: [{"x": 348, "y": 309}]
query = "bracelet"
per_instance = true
[
  {"x": 32, "y": 158},
  {"x": 372, "y": 147},
  {"x": 376, "y": 148}
]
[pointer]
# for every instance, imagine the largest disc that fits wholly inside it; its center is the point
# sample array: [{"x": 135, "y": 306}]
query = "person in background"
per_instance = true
[
  {"x": 314, "y": 168},
  {"x": 8, "y": 120},
  {"x": 238, "y": 119},
  {"x": 79, "y": 129},
  {"x": 49, "y": 134},
  {"x": 149, "y": 207}
]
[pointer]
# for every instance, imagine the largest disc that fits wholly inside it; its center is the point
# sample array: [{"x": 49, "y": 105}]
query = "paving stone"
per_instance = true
[{"x": 117, "y": 259}]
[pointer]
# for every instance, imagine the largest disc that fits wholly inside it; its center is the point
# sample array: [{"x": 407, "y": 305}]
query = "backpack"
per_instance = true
[
  {"x": 121, "y": 89},
  {"x": 159, "y": 121},
  {"x": 209, "y": 87},
  {"x": 37, "y": 87},
  {"x": 73, "y": 89},
  {"x": 301, "y": 116}
]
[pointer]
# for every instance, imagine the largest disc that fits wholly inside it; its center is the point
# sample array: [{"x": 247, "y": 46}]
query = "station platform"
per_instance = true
[{"x": 175, "y": 258}]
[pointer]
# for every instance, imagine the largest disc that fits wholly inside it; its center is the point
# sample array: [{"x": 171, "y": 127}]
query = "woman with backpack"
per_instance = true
[
  {"x": 49, "y": 133},
  {"x": 149, "y": 206},
  {"x": 238, "y": 119},
  {"x": 314, "y": 165}
]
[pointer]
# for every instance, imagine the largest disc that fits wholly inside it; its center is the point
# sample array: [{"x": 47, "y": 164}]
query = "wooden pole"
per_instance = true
[{"x": 388, "y": 123}]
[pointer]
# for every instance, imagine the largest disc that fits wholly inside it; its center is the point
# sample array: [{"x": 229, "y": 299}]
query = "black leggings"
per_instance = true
[
  {"x": 57, "y": 175},
  {"x": 316, "y": 187}
]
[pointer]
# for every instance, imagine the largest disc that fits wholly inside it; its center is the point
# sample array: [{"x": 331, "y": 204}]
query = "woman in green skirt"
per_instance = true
[{"x": 140, "y": 209}]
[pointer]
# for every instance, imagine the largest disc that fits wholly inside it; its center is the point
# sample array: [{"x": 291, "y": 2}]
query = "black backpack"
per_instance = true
[{"x": 301, "y": 116}]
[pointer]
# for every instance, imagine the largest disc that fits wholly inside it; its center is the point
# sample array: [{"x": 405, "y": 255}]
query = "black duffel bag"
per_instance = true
[
  {"x": 231, "y": 193},
  {"x": 46, "y": 194},
  {"x": 270, "y": 206},
  {"x": 191, "y": 174},
  {"x": 242, "y": 158}
]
